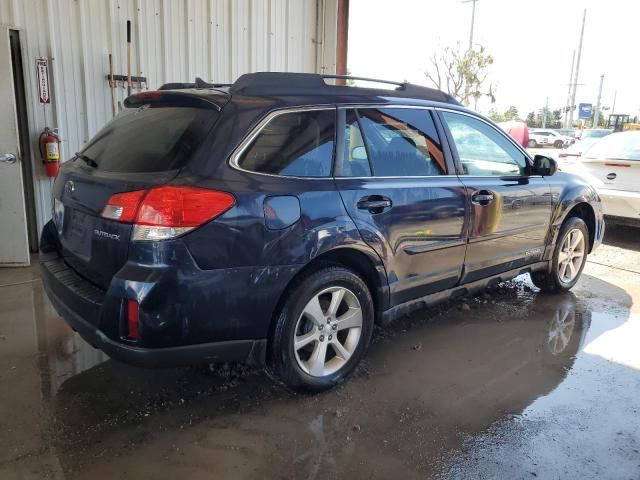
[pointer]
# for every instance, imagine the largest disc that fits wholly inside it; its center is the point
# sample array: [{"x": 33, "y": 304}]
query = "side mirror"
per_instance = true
[
  {"x": 359, "y": 153},
  {"x": 545, "y": 166}
]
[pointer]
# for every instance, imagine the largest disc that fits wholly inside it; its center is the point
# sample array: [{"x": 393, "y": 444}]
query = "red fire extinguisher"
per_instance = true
[{"x": 50, "y": 151}]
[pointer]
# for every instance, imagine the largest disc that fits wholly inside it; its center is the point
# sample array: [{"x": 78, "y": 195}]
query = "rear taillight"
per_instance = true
[
  {"x": 618, "y": 164},
  {"x": 166, "y": 212},
  {"x": 123, "y": 207}
]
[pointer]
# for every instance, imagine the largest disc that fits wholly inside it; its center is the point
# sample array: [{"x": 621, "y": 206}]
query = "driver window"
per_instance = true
[{"x": 483, "y": 151}]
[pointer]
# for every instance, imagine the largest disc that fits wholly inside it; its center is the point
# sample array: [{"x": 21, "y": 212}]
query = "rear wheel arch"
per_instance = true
[
  {"x": 585, "y": 212},
  {"x": 361, "y": 263}
]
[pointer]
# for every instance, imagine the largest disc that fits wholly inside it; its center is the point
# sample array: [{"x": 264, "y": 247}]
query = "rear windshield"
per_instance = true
[
  {"x": 149, "y": 139},
  {"x": 617, "y": 146}
]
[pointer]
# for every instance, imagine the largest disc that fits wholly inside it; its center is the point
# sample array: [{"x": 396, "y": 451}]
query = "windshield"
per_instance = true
[
  {"x": 149, "y": 139},
  {"x": 622, "y": 146}
]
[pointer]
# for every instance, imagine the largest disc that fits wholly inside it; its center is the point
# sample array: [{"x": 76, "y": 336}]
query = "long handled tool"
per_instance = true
[
  {"x": 112, "y": 86},
  {"x": 129, "y": 84}
]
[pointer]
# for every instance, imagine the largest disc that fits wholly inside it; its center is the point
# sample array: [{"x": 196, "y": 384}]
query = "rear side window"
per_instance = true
[
  {"x": 355, "y": 162},
  {"x": 400, "y": 142},
  {"x": 149, "y": 139},
  {"x": 298, "y": 144}
]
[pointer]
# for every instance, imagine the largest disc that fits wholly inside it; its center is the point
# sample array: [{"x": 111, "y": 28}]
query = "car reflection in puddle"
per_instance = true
[{"x": 428, "y": 383}]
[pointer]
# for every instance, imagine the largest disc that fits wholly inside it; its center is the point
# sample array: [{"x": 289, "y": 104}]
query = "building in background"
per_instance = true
[{"x": 172, "y": 41}]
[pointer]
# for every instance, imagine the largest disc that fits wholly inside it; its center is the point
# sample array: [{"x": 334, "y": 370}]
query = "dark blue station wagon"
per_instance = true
[{"x": 276, "y": 220}]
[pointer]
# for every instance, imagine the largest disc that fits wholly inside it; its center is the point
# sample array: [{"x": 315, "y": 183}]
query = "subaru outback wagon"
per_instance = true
[{"x": 276, "y": 220}]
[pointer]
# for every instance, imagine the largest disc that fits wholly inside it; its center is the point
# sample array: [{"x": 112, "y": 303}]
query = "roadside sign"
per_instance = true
[
  {"x": 584, "y": 111},
  {"x": 42, "y": 75}
]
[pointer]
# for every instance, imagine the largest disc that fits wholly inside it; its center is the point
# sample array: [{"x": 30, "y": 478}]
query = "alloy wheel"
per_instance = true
[
  {"x": 571, "y": 255},
  {"x": 328, "y": 331}
]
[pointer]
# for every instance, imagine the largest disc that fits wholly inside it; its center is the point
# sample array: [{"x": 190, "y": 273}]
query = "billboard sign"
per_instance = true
[{"x": 584, "y": 111}]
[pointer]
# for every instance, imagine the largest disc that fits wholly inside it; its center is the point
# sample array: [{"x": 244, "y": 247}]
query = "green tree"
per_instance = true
[
  {"x": 531, "y": 120},
  {"x": 511, "y": 113},
  {"x": 495, "y": 115},
  {"x": 602, "y": 119},
  {"x": 462, "y": 74},
  {"x": 545, "y": 117}
]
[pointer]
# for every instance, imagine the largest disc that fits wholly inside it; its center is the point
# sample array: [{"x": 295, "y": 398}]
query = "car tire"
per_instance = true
[
  {"x": 569, "y": 258},
  {"x": 331, "y": 309},
  {"x": 532, "y": 144},
  {"x": 558, "y": 144}
]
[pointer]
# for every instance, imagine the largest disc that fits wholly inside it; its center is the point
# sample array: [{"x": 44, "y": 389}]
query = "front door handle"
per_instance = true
[
  {"x": 482, "y": 197},
  {"x": 9, "y": 158},
  {"x": 374, "y": 203}
]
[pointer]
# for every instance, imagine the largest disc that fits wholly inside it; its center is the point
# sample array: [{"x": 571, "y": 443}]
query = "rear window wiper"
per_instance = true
[{"x": 89, "y": 161}]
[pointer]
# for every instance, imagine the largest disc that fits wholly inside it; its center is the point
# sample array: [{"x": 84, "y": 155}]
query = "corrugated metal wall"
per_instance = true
[{"x": 173, "y": 40}]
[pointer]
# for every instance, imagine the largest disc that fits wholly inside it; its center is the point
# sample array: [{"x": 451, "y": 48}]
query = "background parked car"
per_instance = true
[
  {"x": 567, "y": 132},
  {"x": 591, "y": 133},
  {"x": 589, "y": 137},
  {"x": 546, "y": 138},
  {"x": 612, "y": 165}
]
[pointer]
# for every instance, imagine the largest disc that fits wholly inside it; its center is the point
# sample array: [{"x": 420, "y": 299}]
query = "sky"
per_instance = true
[{"x": 532, "y": 43}]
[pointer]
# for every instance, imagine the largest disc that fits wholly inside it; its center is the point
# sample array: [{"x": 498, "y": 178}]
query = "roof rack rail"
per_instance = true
[
  {"x": 199, "y": 84},
  {"x": 364, "y": 79},
  {"x": 285, "y": 83}
]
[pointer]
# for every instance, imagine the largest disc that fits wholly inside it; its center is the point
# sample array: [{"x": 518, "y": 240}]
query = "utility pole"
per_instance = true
[
  {"x": 615, "y": 96},
  {"x": 544, "y": 113},
  {"x": 575, "y": 83},
  {"x": 596, "y": 115},
  {"x": 568, "y": 105},
  {"x": 473, "y": 19}
]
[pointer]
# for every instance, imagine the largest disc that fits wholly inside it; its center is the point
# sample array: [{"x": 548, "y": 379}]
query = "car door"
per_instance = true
[
  {"x": 398, "y": 185},
  {"x": 510, "y": 209}
]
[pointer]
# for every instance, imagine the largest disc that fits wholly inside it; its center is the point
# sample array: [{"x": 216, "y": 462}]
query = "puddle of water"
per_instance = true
[{"x": 428, "y": 387}]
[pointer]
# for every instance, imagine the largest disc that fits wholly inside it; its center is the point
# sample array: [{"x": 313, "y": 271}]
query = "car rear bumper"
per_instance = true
[
  {"x": 77, "y": 302},
  {"x": 620, "y": 203},
  {"x": 185, "y": 315}
]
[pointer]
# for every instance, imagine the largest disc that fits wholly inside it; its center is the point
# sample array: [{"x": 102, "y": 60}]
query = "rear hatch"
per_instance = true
[
  {"x": 144, "y": 146},
  {"x": 614, "y": 161}
]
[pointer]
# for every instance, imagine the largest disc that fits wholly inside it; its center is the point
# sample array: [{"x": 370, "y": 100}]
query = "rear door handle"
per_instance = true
[
  {"x": 374, "y": 203},
  {"x": 483, "y": 197}
]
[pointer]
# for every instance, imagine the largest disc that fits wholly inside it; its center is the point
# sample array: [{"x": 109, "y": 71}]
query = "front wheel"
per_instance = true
[
  {"x": 532, "y": 144},
  {"x": 569, "y": 258},
  {"x": 322, "y": 330},
  {"x": 558, "y": 144}
]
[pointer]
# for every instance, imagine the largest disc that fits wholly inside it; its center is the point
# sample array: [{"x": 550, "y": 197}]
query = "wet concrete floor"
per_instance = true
[{"x": 510, "y": 384}]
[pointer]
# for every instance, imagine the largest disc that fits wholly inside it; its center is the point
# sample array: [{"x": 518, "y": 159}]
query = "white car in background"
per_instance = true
[
  {"x": 588, "y": 137},
  {"x": 612, "y": 166},
  {"x": 548, "y": 138}
]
